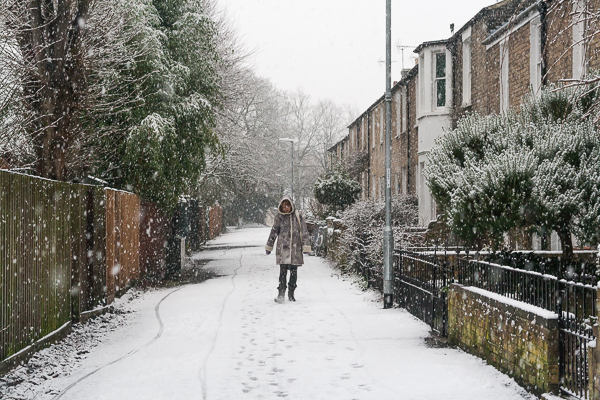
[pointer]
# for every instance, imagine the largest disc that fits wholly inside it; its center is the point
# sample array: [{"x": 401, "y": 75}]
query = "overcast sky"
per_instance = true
[{"x": 335, "y": 49}]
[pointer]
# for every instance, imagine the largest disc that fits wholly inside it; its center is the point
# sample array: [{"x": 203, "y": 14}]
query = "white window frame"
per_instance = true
[
  {"x": 404, "y": 181},
  {"x": 504, "y": 76},
  {"x": 420, "y": 97},
  {"x": 374, "y": 187},
  {"x": 372, "y": 131},
  {"x": 435, "y": 79},
  {"x": 398, "y": 112},
  {"x": 363, "y": 133},
  {"x": 466, "y": 68},
  {"x": 535, "y": 55},
  {"x": 381, "y": 123},
  {"x": 404, "y": 91},
  {"x": 579, "y": 45},
  {"x": 422, "y": 187}
]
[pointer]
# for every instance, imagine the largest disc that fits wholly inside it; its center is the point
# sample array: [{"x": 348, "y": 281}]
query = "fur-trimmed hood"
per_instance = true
[{"x": 288, "y": 198}]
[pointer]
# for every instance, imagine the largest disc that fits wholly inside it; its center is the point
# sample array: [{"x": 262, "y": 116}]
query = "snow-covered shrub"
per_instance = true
[
  {"x": 336, "y": 190},
  {"x": 361, "y": 240},
  {"x": 536, "y": 169}
]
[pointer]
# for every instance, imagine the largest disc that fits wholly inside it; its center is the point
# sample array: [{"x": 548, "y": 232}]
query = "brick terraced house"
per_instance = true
[{"x": 488, "y": 65}]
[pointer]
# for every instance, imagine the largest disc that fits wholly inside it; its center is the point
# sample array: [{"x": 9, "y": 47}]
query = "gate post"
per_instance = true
[
  {"x": 594, "y": 359},
  {"x": 561, "y": 336}
]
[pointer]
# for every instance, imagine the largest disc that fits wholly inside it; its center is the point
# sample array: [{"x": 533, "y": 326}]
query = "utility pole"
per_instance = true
[
  {"x": 292, "y": 143},
  {"x": 388, "y": 236}
]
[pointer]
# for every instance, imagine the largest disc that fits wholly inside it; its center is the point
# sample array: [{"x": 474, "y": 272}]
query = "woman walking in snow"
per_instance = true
[{"x": 292, "y": 237}]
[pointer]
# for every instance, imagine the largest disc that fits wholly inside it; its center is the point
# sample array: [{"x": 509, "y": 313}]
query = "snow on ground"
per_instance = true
[{"x": 226, "y": 338}]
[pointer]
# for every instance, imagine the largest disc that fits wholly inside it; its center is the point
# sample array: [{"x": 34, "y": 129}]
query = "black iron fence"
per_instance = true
[
  {"x": 421, "y": 281},
  {"x": 420, "y": 287}
]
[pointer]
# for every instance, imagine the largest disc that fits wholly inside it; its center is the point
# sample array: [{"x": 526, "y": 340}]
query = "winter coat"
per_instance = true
[{"x": 292, "y": 236}]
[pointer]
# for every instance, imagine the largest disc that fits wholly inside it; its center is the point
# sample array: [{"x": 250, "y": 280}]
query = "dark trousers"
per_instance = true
[{"x": 283, "y": 269}]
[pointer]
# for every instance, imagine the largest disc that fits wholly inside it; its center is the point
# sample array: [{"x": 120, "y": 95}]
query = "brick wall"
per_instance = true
[
  {"x": 557, "y": 49},
  {"x": 518, "y": 342},
  {"x": 485, "y": 80},
  {"x": 519, "y": 46}
]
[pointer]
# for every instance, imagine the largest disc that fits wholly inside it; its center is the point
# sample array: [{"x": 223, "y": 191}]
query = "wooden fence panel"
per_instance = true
[
  {"x": 35, "y": 259},
  {"x": 155, "y": 227},
  {"x": 122, "y": 241},
  {"x": 215, "y": 221},
  {"x": 64, "y": 249},
  {"x": 96, "y": 247}
]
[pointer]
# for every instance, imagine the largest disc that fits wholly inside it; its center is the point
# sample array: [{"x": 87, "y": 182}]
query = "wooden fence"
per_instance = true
[
  {"x": 215, "y": 221},
  {"x": 122, "y": 241},
  {"x": 56, "y": 241},
  {"x": 67, "y": 250},
  {"x": 35, "y": 258},
  {"x": 155, "y": 228}
]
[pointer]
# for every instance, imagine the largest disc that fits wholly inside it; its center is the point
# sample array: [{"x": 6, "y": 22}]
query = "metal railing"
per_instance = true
[{"x": 422, "y": 279}]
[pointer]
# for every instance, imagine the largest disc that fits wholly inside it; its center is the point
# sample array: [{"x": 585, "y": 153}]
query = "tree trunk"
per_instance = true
[
  {"x": 566, "y": 244},
  {"x": 50, "y": 41}
]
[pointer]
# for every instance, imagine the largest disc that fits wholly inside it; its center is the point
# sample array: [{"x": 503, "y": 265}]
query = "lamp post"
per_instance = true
[
  {"x": 292, "y": 143},
  {"x": 388, "y": 236}
]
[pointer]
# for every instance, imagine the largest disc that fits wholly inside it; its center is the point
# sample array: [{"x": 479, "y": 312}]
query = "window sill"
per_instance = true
[{"x": 435, "y": 113}]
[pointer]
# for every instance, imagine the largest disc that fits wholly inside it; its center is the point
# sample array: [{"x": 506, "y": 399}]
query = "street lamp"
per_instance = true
[{"x": 292, "y": 143}]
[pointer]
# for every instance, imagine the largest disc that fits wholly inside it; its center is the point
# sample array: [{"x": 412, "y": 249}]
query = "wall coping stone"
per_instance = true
[{"x": 542, "y": 317}]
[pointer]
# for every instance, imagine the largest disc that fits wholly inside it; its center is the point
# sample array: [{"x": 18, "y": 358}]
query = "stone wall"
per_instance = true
[{"x": 516, "y": 338}]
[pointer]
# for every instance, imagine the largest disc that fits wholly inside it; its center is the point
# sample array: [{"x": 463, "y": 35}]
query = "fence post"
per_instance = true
[
  {"x": 561, "y": 336},
  {"x": 594, "y": 358},
  {"x": 434, "y": 294},
  {"x": 444, "y": 296}
]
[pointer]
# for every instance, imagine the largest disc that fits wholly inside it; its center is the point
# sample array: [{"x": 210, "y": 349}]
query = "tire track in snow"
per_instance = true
[
  {"x": 132, "y": 352},
  {"x": 214, "y": 341}
]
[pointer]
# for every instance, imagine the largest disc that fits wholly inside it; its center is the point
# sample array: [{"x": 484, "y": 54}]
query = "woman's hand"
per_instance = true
[{"x": 268, "y": 252}]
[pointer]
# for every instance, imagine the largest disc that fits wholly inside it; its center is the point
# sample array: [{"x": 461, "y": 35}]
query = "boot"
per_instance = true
[
  {"x": 280, "y": 297},
  {"x": 291, "y": 294}
]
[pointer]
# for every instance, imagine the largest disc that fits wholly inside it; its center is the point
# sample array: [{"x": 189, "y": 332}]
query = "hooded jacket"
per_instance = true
[{"x": 292, "y": 236}]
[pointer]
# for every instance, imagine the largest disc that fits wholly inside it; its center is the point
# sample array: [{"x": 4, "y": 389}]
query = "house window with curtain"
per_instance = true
[
  {"x": 504, "y": 87},
  {"x": 466, "y": 52},
  {"x": 404, "y": 110},
  {"x": 398, "y": 113},
  {"x": 381, "y": 123},
  {"x": 535, "y": 55},
  {"x": 440, "y": 79}
]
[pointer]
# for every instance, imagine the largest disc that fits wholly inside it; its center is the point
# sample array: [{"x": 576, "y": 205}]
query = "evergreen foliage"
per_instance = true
[
  {"x": 535, "y": 168},
  {"x": 171, "y": 126},
  {"x": 336, "y": 190}
]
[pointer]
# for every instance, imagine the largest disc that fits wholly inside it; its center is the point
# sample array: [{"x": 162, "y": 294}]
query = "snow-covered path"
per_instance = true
[{"x": 226, "y": 338}]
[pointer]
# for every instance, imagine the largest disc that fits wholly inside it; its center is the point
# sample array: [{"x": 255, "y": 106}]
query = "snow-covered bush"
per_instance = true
[
  {"x": 336, "y": 190},
  {"x": 361, "y": 240},
  {"x": 536, "y": 169}
]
